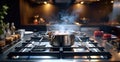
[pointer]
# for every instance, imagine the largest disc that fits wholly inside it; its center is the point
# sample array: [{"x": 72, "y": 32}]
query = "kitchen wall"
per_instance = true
[{"x": 91, "y": 13}]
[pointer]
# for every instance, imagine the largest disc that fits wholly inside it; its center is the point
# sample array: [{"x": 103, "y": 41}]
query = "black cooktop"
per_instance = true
[{"x": 40, "y": 48}]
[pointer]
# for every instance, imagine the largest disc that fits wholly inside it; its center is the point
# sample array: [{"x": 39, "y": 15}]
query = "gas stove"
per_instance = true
[{"x": 40, "y": 47}]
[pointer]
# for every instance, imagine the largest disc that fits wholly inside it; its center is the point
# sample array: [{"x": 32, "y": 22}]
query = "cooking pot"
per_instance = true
[{"x": 62, "y": 40}]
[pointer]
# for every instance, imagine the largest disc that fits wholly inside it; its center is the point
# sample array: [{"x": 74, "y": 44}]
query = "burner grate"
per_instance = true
[
  {"x": 39, "y": 48},
  {"x": 31, "y": 50},
  {"x": 67, "y": 52}
]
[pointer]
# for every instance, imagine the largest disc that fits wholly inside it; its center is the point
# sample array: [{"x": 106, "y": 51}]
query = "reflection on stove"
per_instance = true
[{"x": 39, "y": 48}]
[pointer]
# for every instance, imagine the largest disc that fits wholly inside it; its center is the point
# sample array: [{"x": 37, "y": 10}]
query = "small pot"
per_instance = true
[{"x": 62, "y": 40}]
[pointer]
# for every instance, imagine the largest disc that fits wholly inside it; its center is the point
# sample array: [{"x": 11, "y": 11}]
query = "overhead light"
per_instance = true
[
  {"x": 41, "y": 1},
  {"x": 45, "y": 2},
  {"x": 82, "y": 2},
  {"x": 97, "y": 0},
  {"x": 112, "y": 1}
]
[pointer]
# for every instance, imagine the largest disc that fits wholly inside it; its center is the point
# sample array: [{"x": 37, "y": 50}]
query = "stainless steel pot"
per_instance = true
[{"x": 62, "y": 40}]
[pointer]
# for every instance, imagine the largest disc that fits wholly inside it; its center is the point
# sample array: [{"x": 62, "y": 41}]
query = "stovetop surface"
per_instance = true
[{"x": 38, "y": 47}]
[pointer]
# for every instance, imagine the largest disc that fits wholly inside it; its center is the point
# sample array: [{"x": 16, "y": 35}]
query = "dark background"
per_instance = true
[
  {"x": 14, "y": 16},
  {"x": 13, "y": 11}
]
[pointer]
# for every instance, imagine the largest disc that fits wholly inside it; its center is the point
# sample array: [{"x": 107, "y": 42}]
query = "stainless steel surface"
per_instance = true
[
  {"x": 62, "y": 40},
  {"x": 102, "y": 43}
]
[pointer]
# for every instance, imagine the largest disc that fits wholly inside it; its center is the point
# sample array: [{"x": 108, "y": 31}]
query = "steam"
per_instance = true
[
  {"x": 63, "y": 28},
  {"x": 65, "y": 23},
  {"x": 67, "y": 18}
]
